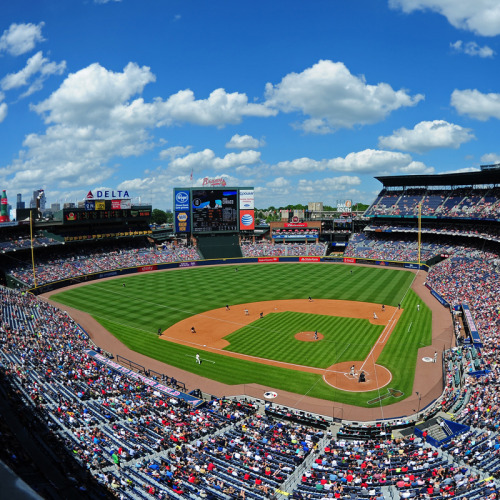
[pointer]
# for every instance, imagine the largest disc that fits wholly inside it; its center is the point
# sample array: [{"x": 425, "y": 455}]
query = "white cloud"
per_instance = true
[
  {"x": 174, "y": 152},
  {"x": 97, "y": 116},
  {"x": 479, "y": 16},
  {"x": 427, "y": 135},
  {"x": 106, "y": 1},
  {"x": 278, "y": 182},
  {"x": 3, "y": 111},
  {"x": 328, "y": 184},
  {"x": 21, "y": 38},
  {"x": 244, "y": 142},
  {"x": 472, "y": 49},
  {"x": 461, "y": 170},
  {"x": 89, "y": 95},
  {"x": 369, "y": 161},
  {"x": 476, "y": 104},
  {"x": 490, "y": 158},
  {"x": 36, "y": 64},
  {"x": 206, "y": 159},
  {"x": 219, "y": 109},
  {"x": 334, "y": 98}
]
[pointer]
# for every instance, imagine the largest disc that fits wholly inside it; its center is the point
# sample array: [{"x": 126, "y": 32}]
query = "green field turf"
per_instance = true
[
  {"x": 272, "y": 337},
  {"x": 158, "y": 300}
]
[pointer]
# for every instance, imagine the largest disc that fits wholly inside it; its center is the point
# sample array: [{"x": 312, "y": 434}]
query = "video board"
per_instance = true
[{"x": 214, "y": 210}]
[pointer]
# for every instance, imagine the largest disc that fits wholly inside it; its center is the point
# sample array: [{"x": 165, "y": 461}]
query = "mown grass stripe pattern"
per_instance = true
[
  {"x": 158, "y": 300},
  {"x": 273, "y": 337}
]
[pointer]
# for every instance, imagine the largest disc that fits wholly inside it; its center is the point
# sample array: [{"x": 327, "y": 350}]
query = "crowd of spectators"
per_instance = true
[
  {"x": 363, "y": 468},
  {"x": 394, "y": 247},
  {"x": 86, "y": 262},
  {"x": 459, "y": 203},
  {"x": 266, "y": 249},
  {"x": 473, "y": 278},
  {"x": 13, "y": 243},
  {"x": 483, "y": 232},
  {"x": 141, "y": 443},
  {"x": 129, "y": 434}
]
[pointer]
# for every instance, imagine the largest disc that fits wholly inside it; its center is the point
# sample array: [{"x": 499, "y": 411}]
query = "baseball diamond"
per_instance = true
[{"x": 301, "y": 373}]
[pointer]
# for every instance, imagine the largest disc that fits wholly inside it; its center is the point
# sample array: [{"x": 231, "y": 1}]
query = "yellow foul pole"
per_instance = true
[
  {"x": 32, "y": 251},
  {"x": 419, "y": 230}
]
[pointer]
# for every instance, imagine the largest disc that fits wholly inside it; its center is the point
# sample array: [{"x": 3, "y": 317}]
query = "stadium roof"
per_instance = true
[{"x": 458, "y": 179}]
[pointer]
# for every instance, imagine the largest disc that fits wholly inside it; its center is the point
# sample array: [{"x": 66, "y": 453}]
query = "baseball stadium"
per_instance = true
[{"x": 325, "y": 355}]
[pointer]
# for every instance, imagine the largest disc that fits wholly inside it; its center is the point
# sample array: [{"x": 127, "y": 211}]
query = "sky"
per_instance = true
[{"x": 307, "y": 101}]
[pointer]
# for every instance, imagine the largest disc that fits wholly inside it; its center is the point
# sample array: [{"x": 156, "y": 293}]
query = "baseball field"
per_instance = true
[{"x": 298, "y": 345}]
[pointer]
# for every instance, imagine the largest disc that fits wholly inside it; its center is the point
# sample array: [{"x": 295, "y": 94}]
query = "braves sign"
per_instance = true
[{"x": 220, "y": 181}]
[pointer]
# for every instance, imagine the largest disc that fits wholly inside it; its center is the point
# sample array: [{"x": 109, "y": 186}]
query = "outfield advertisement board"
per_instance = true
[
  {"x": 309, "y": 259},
  {"x": 247, "y": 220},
  {"x": 181, "y": 200},
  {"x": 411, "y": 266},
  {"x": 268, "y": 259},
  {"x": 349, "y": 260},
  {"x": 182, "y": 222},
  {"x": 145, "y": 269},
  {"x": 247, "y": 199},
  {"x": 187, "y": 264}
]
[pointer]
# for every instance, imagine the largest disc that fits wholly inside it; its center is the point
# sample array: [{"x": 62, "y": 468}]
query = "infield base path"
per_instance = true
[{"x": 212, "y": 326}]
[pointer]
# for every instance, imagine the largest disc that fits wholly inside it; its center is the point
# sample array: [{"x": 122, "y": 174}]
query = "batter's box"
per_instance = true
[{"x": 391, "y": 393}]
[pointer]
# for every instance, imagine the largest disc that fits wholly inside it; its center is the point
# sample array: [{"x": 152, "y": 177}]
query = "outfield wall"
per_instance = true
[{"x": 56, "y": 285}]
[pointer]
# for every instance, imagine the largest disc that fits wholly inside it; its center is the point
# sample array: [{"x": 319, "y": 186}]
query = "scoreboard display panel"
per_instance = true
[{"x": 214, "y": 210}]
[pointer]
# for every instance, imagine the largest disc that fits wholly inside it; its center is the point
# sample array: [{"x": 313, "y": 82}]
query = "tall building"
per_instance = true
[{"x": 19, "y": 202}]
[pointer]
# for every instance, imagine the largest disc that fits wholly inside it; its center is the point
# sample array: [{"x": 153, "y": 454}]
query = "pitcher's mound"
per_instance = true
[
  {"x": 339, "y": 376},
  {"x": 308, "y": 336}
]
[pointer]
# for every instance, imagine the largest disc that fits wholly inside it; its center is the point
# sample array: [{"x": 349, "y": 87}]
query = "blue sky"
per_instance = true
[{"x": 306, "y": 101}]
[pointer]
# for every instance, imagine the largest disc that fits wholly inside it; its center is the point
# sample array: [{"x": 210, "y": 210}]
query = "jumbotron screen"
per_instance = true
[{"x": 214, "y": 210}]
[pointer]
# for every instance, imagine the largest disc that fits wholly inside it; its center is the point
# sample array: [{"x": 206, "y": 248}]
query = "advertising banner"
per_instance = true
[
  {"x": 115, "y": 204},
  {"x": 125, "y": 204},
  {"x": 145, "y": 269},
  {"x": 309, "y": 259},
  {"x": 440, "y": 299},
  {"x": 349, "y": 260},
  {"x": 295, "y": 224},
  {"x": 181, "y": 200},
  {"x": 142, "y": 378},
  {"x": 268, "y": 259},
  {"x": 187, "y": 264},
  {"x": 411, "y": 266},
  {"x": 247, "y": 220},
  {"x": 89, "y": 205},
  {"x": 100, "y": 205},
  {"x": 247, "y": 199},
  {"x": 181, "y": 222}
]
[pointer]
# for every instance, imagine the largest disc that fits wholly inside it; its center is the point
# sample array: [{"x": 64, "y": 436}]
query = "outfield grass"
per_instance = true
[
  {"x": 158, "y": 300},
  {"x": 273, "y": 337}
]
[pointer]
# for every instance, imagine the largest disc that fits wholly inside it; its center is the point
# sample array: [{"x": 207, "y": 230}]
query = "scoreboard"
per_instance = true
[{"x": 213, "y": 210}]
